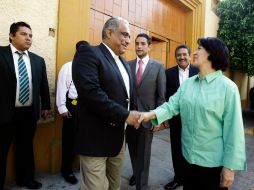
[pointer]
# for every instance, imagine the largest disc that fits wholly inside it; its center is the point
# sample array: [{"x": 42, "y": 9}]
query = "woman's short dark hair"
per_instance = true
[{"x": 219, "y": 54}]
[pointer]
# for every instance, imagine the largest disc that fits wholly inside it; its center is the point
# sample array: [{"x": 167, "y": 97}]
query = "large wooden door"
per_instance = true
[
  {"x": 159, "y": 52},
  {"x": 171, "y": 53}
]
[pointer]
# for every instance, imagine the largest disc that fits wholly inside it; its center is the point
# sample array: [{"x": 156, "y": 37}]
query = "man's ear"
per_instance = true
[
  {"x": 109, "y": 33},
  {"x": 11, "y": 36},
  {"x": 150, "y": 46}
]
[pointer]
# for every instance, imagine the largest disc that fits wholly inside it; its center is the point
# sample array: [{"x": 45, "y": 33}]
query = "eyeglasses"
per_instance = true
[{"x": 124, "y": 34}]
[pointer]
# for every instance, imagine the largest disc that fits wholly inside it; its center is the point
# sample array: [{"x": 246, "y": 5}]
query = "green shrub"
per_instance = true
[{"x": 236, "y": 29}]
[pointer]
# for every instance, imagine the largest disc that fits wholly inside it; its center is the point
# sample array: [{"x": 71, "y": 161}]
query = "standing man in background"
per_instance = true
[
  {"x": 66, "y": 101},
  {"x": 104, "y": 85},
  {"x": 24, "y": 86},
  {"x": 175, "y": 77},
  {"x": 150, "y": 88}
]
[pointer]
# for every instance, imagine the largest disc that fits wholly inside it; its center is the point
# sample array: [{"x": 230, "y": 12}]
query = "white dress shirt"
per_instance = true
[
  {"x": 28, "y": 67},
  {"x": 122, "y": 70},
  {"x": 64, "y": 85},
  {"x": 183, "y": 74},
  {"x": 145, "y": 61}
]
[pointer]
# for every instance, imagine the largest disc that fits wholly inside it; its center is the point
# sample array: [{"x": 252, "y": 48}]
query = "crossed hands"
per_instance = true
[{"x": 135, "y": 118}]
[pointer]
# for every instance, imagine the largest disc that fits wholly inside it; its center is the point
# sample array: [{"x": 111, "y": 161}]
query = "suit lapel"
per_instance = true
[
  {"x": 177, "y": 82},
  {"x": 111, "y": 60},
  {"x": 133, "y": 70},
  {"x": 9, "y": 59},
  {"x": 33, "y": 69},
  {"x": 127, "y": 68},
  {"x": 147, "y": 69},
  {"x": 191, "y": 71}
]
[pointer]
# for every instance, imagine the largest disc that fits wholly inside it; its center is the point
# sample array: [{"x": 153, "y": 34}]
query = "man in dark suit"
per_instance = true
[
  {"x": 175, "y": 77},
  {"x": 104, "y": 86},
  {"x": 24, "y": 85},
  {"x": 150, "y": 87},
  {"x": 66, "y": 102}
]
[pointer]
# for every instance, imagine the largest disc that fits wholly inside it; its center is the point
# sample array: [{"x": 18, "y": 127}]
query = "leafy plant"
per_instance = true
[{"x": 236, "y": 29}]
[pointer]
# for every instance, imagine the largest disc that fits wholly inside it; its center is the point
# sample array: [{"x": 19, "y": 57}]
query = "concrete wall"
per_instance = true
[
  {"x": 41, "y": 15},
  {"x": 211, "y": 20}
]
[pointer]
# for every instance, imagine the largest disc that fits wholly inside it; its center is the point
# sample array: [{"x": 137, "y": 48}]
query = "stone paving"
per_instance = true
[{"x": 161, "y": 169}]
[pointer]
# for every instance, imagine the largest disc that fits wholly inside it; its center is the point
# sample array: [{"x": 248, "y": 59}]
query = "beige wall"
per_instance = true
[
  {"x": 41, "y": 15},
  {"x": 211, "y": 20}
]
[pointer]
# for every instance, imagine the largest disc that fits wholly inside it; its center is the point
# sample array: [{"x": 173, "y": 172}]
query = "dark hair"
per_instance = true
[
  {"x": 149, "y": 39},
  {"x": 15, "y": 27},
  {"x": 78, "y": 44},
  {"x": 184, "y": 47},
  {"x": 219, "y": 54}
]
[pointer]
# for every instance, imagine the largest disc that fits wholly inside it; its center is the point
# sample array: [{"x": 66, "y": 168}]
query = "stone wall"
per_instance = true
[{"x": 42, "y": 15}]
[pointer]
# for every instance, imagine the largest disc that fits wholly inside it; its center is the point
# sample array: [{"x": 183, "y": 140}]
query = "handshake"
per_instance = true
[{"x": 135, "y": 118}]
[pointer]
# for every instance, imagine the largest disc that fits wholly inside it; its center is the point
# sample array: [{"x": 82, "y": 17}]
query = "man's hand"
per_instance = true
[
  {"x": 66, "y": 114},
  {"x": 133, "y": 119},
  {"x": 44, "y": 114},
  {"x": 226, "y": 178},
  {"x": 160, "y": 127}
]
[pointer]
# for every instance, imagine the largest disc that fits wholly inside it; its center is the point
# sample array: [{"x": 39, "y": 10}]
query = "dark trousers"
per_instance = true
[
  {"x": 22, "y": 129},
  {"x": 176, "y": 150},
  {"x": 139, "y": 144},
  {"x": 201, "y": 178},
  {"x": 68, "y": 139}
]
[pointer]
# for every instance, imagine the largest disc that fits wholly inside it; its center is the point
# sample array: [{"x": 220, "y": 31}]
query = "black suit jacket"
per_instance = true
[
  {"x": 8, "y": 84},
  {"x": 102, "y": 102},
  {"x": 172, "y": 78}
]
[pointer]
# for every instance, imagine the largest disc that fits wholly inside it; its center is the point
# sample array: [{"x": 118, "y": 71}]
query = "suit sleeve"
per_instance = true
[
  {"x": 45, "y": 97},
  {"x": 161, "y": 86},
  {"x": 86, "y": 77}
]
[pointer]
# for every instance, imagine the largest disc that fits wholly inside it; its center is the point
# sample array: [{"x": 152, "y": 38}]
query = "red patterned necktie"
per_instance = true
[{"x": 139, "y": 72}]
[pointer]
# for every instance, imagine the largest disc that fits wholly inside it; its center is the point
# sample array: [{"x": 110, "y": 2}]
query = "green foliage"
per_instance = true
[{"x": 236, "y": 29}]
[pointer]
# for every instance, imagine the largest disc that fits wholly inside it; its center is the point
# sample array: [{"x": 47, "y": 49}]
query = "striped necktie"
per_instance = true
[{"x": 23, "y": 80}]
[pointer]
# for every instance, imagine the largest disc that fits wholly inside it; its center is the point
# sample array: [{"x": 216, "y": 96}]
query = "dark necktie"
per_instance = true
[{"x": 23, "y": 80}]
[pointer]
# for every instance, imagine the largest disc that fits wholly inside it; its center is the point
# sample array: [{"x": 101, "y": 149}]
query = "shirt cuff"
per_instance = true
[{"x": 62, "y": 109}]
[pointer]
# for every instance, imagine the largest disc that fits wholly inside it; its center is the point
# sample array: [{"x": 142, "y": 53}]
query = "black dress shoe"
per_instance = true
[
  {"x": 70, "y": 178},
  {"x": 132, "y": 181},
  {"x": 172, "y": 185},
  {"x": 30, "y": 184}
]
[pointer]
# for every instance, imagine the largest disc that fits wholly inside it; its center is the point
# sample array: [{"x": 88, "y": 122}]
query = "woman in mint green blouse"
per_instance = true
[{"x": 213, "y": 142}]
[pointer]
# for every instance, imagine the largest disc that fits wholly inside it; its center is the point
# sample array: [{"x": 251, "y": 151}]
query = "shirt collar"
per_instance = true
[
  {"x": 211, "y": 76},
  {"x": 144, "y": 59},
  {"x": 186, "y": 69},
  {"x": 14, "y": 50},
  {"x": 111, "y": 52}
]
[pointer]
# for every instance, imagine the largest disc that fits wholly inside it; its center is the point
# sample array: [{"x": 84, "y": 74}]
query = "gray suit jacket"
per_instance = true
[{"x": 151, "y": 91}]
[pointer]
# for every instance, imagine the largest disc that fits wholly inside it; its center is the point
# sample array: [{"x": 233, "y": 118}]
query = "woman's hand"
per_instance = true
[
  {"x": 226, "y": 178},
  {"x": 146, "y": 116}
]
